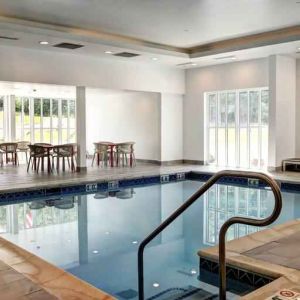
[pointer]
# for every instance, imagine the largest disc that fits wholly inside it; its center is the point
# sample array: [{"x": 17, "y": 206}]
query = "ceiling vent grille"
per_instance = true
[
  {"x": 126, "y": 54},
  {"x": 8, "y": 38},
  {"x": 69, "y": 46}
]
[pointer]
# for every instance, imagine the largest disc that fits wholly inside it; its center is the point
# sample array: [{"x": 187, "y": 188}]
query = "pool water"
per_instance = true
[{"x": 96, "y": 236}]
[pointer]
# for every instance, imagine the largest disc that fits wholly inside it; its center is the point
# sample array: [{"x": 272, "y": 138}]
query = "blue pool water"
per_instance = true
[{"x": 96, "y": 236}]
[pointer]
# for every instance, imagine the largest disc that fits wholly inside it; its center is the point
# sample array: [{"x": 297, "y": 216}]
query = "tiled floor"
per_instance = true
[
  {"x": 14, "y": 285},
  {"x": 271, "y": 252},
  {"x": 16, "y": 178}
]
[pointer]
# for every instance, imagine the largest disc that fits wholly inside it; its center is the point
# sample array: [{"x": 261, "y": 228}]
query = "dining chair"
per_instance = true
[
  {"x": 123, "y": 151},
  {"x": 23, "y": 147},
  {"x": 36, "y": 153},
  {"x": 65, "y": 152},
  {"x": 102, "y": 153},
  {"x": 10, "y": 149}
]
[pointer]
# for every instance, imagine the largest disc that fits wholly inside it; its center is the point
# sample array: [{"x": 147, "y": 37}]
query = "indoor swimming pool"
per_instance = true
[{"x": 96, "y": 236}]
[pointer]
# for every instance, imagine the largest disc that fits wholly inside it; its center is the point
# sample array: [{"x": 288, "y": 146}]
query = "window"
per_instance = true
[
  {"x": 45, "y": 120},
  {"x": 237, "y": 128}
]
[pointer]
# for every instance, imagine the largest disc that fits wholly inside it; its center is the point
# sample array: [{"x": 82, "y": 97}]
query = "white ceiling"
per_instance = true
[{"x": 182, "y": 23}]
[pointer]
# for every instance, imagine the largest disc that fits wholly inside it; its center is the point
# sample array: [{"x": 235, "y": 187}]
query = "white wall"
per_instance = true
[
  {"x": 125, "y": 116},
  {"x": 171, "y": 127},
  {"x": 28, "y": 65},
  {"x": 238, "y": 75},
  {"x": 282, "y": 119}
]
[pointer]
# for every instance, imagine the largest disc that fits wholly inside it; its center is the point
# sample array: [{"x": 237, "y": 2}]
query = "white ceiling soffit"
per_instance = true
[
  {"x": 179, "y": 23},
  {"x": 89, "y": 36}
]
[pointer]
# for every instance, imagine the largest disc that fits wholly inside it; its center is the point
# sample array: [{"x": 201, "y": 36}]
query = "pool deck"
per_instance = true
[
  {"x": 269, "y": 252},
  {"x": 25, "y": 276},
  {"x": 14, "y": 179}
]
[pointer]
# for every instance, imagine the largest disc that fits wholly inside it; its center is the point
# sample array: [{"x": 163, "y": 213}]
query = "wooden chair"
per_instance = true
[
  {"x": 65, "y": 152},
  {"x": 37, "y": 152},
  {"x": 101, "y": 150},
  {"x": 23, "y": 147},
  {"x": 10, "y": 149},
  {"x": 123, "y": 151}
]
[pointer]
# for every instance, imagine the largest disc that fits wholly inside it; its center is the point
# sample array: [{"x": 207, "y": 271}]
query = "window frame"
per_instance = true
[
  {"x": 41, "y": 127},
  {"x": 216, "y": 126}
]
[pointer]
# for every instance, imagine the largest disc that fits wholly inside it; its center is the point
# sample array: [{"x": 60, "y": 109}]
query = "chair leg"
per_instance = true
[
  {"x": 63, "y": 164},
  {"x": 93, "y": 159},
  {"x": 68, "y": 160},
  {"x": 38, "y": 165},
  {"x": 28, "y": 164},
  {"x": 26, "y": 154}
]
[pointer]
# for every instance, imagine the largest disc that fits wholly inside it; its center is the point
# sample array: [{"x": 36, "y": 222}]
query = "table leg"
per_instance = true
[
  {"x": 49, "y": 162},
  {"x": 111, "y": 156},
  {"x": 42, "y": 158}
]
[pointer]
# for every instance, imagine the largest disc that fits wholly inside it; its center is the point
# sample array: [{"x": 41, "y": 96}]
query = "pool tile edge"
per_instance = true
[{"x": 54, "y": 280}]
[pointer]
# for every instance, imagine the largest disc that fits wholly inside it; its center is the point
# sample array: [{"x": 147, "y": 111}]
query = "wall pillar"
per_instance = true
[
  {"x": 282, "y": 113},
  {"x": 81, "y": 127}
]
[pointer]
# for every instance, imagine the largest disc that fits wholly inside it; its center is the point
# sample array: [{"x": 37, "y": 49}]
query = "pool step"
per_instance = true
[{"x": 188, "y": 293}]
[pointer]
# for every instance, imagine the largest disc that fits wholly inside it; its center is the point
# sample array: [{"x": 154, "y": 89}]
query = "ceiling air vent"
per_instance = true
[
  {"x": 8, "y": 38},
  {"x": 126, "y": 54},
  {"x": 68, "y": 46}
]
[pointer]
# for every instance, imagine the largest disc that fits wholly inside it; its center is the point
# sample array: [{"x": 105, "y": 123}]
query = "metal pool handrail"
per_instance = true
[{"x": 248, "y": 221}]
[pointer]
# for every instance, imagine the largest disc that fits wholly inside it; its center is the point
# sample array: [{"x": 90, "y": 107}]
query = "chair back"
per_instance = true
[
  {"x": 23, "y": 145},
  {"x": 126, "y": 147},
  {"x": 9, "y": 147},
  {"x": 100, "y": 147},
  {"x": 36, "y": 149},
  {"x": 64, "y": 150}
]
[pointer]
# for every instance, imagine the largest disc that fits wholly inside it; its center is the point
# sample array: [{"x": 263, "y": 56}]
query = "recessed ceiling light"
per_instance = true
[
  {"x": 108, "y": 52},
  {"x": 95, "y": 251},
  {"x": 193, "y": 272},
  {"x": 193, "y": 64},
  {"x": 134, "y": 242},
  {"x": 155, "y": 284},
  {"x": 44, "y": 43},
  {"x": 154, "y": 58},
  {"x": 298, "y": 48}
]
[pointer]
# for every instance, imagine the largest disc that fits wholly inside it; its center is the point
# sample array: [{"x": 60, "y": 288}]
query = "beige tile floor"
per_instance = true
[
  {"x": 26, "y": 276},
  {"x": 16, "y": 178},
  {"x": 245, "y": 253}
]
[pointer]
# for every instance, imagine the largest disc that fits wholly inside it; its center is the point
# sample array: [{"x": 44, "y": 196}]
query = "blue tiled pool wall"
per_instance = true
[
  {"x": 239, "y": 281},
  {"x": 115, "y": 185}
]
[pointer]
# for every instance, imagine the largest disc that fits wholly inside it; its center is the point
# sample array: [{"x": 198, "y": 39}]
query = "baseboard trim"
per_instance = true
[
  {"x": 148, "y": 161},
  {"x": 193, "y": 162},
  {"x": 161, "y": 163}
]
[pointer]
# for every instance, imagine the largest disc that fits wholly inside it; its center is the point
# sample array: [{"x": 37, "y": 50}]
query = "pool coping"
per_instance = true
[
  {"x": 284, "y": 277},
  {"x": 10, "y": 195},
  {"x": 54, "y": 280}
]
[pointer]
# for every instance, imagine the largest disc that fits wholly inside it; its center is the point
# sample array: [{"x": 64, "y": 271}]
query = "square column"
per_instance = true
[
  {"x": 282, "y": 111},
  {"x": 81, "y": 127}
]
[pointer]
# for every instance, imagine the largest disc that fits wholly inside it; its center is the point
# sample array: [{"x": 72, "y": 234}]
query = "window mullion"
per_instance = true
[{"x": 248, "y": 129}]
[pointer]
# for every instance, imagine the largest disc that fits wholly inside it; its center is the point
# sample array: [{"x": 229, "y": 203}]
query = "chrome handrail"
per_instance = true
[{"x": 222, "y": 262}]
